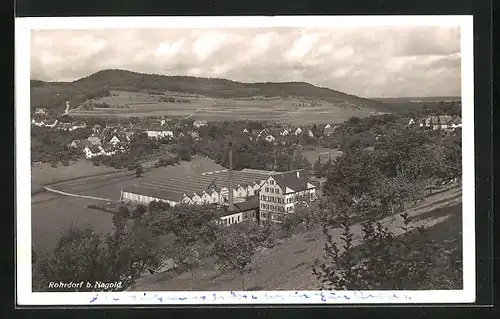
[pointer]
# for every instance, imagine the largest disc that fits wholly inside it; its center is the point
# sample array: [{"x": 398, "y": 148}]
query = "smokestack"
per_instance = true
[{"x": 230, "y": 178}]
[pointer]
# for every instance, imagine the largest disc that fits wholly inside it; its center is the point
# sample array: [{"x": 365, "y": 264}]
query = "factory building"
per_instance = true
[{"x": 242, "y": 195}]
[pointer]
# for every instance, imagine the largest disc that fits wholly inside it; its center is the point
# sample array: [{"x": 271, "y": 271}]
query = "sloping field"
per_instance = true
[
  {"x": 288, "y": 266},
  {"x": 50, "y": 212},
  {"x": 323, "y": 153},
  {"x": 214, "y": 109},
  {"x": 44, "y": 174}
]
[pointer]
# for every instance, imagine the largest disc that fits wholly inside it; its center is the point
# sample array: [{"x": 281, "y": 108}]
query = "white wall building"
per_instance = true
[{"x": 278, "y": 194}]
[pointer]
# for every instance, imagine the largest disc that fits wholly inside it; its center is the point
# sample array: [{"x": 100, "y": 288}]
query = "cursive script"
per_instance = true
[{"x": 243, "y": 297}]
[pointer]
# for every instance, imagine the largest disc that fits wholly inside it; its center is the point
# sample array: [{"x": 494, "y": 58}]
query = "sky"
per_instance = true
[{"x": 412, "y": 61}]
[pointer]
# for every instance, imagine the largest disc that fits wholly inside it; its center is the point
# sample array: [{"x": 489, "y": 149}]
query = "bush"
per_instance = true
[{"x": 382, "y": 260}]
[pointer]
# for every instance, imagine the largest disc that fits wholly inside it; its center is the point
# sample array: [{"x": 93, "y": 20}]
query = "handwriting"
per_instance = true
[{"x": 235, "y": 297}]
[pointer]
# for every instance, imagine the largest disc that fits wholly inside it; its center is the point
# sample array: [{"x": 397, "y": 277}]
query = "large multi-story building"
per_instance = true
[
  {"x": 280, "y": 192},
  {"x": 261, "y": 195}
]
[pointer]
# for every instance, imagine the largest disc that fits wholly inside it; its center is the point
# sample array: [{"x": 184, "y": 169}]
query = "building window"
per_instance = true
[
  {"x": 262, "y": 197},
  {"x": 267, "y": 189},
  {"x": 271, "y": 182}
]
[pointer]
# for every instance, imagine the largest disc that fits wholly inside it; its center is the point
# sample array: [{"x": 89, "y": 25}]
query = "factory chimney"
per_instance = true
[{"x": 230, "y": 178}]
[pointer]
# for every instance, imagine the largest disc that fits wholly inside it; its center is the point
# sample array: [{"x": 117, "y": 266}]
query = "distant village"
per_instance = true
[{"x": 112, "y": 138}]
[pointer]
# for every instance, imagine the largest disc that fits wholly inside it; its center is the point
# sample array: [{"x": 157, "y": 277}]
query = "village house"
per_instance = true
[
  {"x": 284, "y": 132},
  {"x": 245, "y": 131},
  {"x": 298, "y": 131},
  {"x": 456, "y": 123},
  {"x": 114, "y": 140},
  {"x": 279, "y": 193},
  {"x": 200, "y": 123},
  {"x": 159, "y": 130},
  {"x": 194, "y": 134},
  {"x": 91, "y": 151},
  {"x": 97, "y": 129},
  {"x": 39, "y": 124},
  {"x": 77, "y": 125},
  {"x": 444, "y": 122},
  {"x": 128, "y": 135},
  {"x": 79, "y": 143},
  {"x": 270, "y": 138},
  {"x": 94, "y": 139},
  {"x": 310, "y": 133},
  {"x": 41, "y": 111},
  {"x": 329, "y": 130}
]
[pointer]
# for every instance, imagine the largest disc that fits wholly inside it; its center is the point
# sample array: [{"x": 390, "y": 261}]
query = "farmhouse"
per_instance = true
[
  {"x": 298, "y": 131},
  {"x": 280, "y": 192},
  {"x": 200, "y": 123}
]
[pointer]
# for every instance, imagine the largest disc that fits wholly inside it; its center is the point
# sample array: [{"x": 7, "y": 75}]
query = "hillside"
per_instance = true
[{"x": 55, "y": 94}]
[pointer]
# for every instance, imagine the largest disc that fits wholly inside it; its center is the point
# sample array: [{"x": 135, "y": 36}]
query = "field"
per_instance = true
[
  {"x": 128, "y": 104},
  {"x": 44, "y": 174},
  {"x": 52, "y": 212},
  {"x": 288, "y": 265},
  {"x": 312, "y": 155}
]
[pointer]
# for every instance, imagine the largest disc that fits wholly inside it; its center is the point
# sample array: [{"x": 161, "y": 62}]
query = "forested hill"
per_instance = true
[{"x": 54, "y": 94}]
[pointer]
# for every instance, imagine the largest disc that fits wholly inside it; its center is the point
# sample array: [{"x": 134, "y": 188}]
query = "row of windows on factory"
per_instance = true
[
  {"x": 272, "y": 190},
  {"x": 237, "y": 219},
  {"x": 272, "y": 199},
  {"x": 273, "y": 216},
  {"x": 274, "y": 207}
]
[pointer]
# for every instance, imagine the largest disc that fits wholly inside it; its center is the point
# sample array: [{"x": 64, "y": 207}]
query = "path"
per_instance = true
[
  {"x": 192, "y": 113},
  {"x": 80, "y": 196}
]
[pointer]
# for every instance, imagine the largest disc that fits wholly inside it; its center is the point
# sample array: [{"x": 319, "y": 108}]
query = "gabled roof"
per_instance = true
[
  {"x": 445, "y": 119},
  {"x": 290, "y": 180},
  {"x": 159, "y": 127},
  {"x": 252, "y": 204}
]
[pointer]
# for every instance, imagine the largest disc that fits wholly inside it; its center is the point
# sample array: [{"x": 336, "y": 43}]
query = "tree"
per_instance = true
[
  {"x": 234, "y": 250},
  {"x": 318, "y": 168},
  {"x": 188, "y": 257},
  {"x": 138, "y": 171},
  {"x": 381, "y": 261},
  {"x": 120, "y": 257}
]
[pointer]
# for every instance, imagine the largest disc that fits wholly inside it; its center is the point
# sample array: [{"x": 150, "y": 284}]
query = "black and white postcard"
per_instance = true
[{"x": 245, "y": 160}]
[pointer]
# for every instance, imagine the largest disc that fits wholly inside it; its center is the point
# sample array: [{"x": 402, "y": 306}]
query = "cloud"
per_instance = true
[{"x": 374, "y": 61}]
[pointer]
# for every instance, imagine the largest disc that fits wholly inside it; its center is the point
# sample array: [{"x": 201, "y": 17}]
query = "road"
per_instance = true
[{"x": 79, "y": 196}]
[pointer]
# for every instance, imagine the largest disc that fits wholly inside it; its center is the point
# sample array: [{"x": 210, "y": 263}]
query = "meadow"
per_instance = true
[
  {"x": 323, "y": 152},
  {"x": 51, "y": 213},
  {"x": 287, "y": 111},
  {"x": 43, "y": 174}
]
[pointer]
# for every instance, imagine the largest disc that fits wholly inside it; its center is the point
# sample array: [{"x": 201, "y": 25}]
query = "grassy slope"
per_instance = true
[
  {"x": 288, "y": 266},
  {"x": 54, "y": 94}
]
